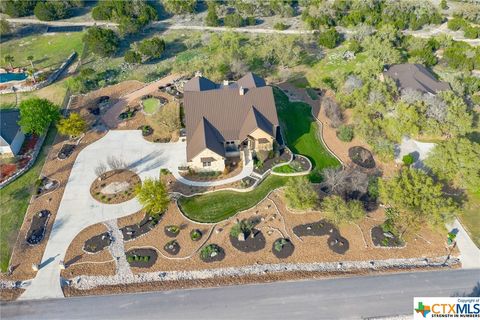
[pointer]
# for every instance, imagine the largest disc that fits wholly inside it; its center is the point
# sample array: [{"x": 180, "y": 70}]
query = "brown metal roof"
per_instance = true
[
  {"x": 199, "y": 84},
  {"x": 251, "y": 80},
  {"x": 223, "y": 115},
  {"x": 417, "y": 77}
]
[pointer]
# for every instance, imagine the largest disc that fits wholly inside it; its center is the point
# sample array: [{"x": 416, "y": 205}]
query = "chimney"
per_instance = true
[
  {"x": 225, "y": 83},
  {"x": 198, "y": 74},
  {"x": 242, "y": 91}
]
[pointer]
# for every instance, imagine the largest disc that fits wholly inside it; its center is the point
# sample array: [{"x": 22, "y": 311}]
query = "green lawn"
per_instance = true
[
  {"x": 48, "y": 50},
  {"x": 470, "y": 216},
  {"x": 302, "y": 133},
  {"x": 151, "y": 105},
  {"x": 14, "y": 200},
  {"x": 220, "y": 205},
  {"x": 286, "y": 168}
]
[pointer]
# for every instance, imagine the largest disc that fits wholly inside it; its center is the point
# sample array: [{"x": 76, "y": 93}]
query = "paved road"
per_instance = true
[{"x": 344, "y": 298}]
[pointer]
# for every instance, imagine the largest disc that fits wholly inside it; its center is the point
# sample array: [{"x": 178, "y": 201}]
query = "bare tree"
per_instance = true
[
  {"x": 335, "y": 180},
  {"x": 436, "y": 107},
  {"x": 411, "y": 96},
  {"x": 100, "y": 169},
  {"x": 116, "y": 163},
  {"x": 345, "y": 182},
  {"x": 332, "y": 111},
  {"x": 352, "y": 83}
]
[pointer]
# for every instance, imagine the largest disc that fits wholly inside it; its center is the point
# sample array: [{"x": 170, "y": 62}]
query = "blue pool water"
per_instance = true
[{"x": 5, "y": 77}]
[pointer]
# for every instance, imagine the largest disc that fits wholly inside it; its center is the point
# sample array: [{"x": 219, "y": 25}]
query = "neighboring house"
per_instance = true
[
  {"x": 228, "y": 122},
  {"x": 11, "y": 136},
  {"x": 416, "y": 77}
]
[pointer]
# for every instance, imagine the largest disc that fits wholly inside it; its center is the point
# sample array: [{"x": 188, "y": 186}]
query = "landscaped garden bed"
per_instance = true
[
  {"x": 246, "y": 238},
  {"x": 37, "y": 230},
  {"x": 152, "y": 104},
  {"x": 381, "y": 238},
  {"x": 361, "y": 157},
  {"x": 212, "y": 253},
  {"x": 45, "y": 185},
  {"x": 97, "y": 243},
  {"x": 134, "y": 231},
  {"x": 283, "y": 248},
  {"x": 66, "y": 151},
  {"x": 141, "y": 258},
  {"x": 172, "y": 247},
  {"x": 264, "y": 163},
  {"x": 128, "y": 113},
  {"x": 298, "y": 164},
  {"x": 146, "y": 130},
  {"x": 115, "y": 186},
  {"x": 336, "y": 242},
  {"x": 196, "y": 235},
  {"x": 172, "y": 231}
]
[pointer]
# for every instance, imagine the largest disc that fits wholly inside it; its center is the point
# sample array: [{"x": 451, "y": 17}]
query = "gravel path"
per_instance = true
[
  {"x": 117, "y": 249},
  {"x": 89, "y": 282}
]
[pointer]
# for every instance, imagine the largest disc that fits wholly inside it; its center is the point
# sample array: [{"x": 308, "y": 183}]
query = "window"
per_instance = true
[{"x": 207, "y": 164}]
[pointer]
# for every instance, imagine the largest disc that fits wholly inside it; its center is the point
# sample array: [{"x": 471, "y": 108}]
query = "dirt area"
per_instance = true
[
  {"x": 10, "y": 294},
  {"x": 115, "y": 186},
  {"x": 77, "y": 261}
]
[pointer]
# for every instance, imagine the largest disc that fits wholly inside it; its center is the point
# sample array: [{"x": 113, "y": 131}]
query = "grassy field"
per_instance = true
[
  {"x": 14, "y": 200},
  {"x": 151, "y": 105},
  {"x": 48, "y": 50},
  {"x": 220, "y": 205},
  {"x": 55, "y": 93},
  {"x": 302, "y": 132},
  {"x": 286, "y": 168},
  {"x": 470, "y": 216}
]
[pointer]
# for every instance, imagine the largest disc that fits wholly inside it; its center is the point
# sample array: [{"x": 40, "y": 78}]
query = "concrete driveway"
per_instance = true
[{"x": 79, "y": 210}]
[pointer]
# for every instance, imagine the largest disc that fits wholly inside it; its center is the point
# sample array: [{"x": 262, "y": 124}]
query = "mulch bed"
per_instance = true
[
  {"x": 146, "y": 130},
  {"x": 115, "y": 176},
  {"x": 127, "y": 114},
  {"x": 380, "y": 239},
  {"x": 45, "y": 186},
  {"x": 134, "y": 231},
  {"x": 335, "y": 241},
  {"x": 97, "y": 243},
  {"x": 137, "y": 257},
  {"x": 36, "y": 233},
  {"x": 284, "y": 156},
  {"x": 361, "y": 157},
  {"x": 172, "y": 247},
  {"x": 66, "y": 151},
  {"x": 170, "y": 233},
  {"x": 218, "y": 257},
  {"x": 250, "y": 244},
  {"x": 287, "y": 249}
]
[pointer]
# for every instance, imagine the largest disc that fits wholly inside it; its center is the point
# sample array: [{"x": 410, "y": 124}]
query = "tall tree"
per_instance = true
[
  {"x": 101, "y": 41},
  {"x": 417, "y": 197},
  {"x": 30, "y": 59},
  {"x": 36, "y": 115},
  {"x": 300, "y": 194},
  {"x": 457, "y": 160},
  {"x": 153, "y": 195},
  {"x": 9, "y": 59}
]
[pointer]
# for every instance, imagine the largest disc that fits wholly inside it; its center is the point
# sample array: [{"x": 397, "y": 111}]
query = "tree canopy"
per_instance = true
[
  {"x": 417, "y": 198},
  {"x": 152, "y": 48},
  {"x": 73, "y": 125},
  {"x": 340, "y": 211},
  {"x": 131, "y": 16},
  {"x": 179, "y": 6},
  {"x": 153, "y": 195},
  {"x": 457, "y": 160},
  {"x": 101, "y": 41},
  {"x": 300, "y": 194},
  {"x": 36, "y": 115}
]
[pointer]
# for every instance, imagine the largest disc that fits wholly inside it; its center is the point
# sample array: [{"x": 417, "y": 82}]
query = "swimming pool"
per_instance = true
[{"x": 6, "y": 77}]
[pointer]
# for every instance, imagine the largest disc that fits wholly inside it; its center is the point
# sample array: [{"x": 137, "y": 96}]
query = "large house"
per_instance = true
[
  {"x": 228, "y": 121},
  {"x": 11, "y": 137},
  {"x": 416, "y": 77}
]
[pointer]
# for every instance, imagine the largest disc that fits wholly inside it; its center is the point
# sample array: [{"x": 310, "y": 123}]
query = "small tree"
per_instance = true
[
  {"x": 100, "y": 169},
  {"x": 233, "y": 20},
  {"x": 340, "y": 211},
  {"x": 36, "y": 115},
  {"x": 9, "y": 59},
  {"x": 345, "y": 133},
  {"x": 101, "y": 41},
  {"x": 73, "y": 126},
  {"x": 31, "y": 74},
  {"x": 408, "y": 159},
  {"x": 30, "y": 59},
  {"x": 5, "y": 27},
  {"x": 116, "y": 163},
  {"x": 329, "y": 38},
  {"x": 280, "y": 26},
  {"x": 153, "y": 196},
  {"x": 443, "y": 5},
  {"x": 152, "y": 48},
  {"x": 211, "y": 19},
  {"x": 132, "y": 57},
  {"x": 300, "y": 194}
]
